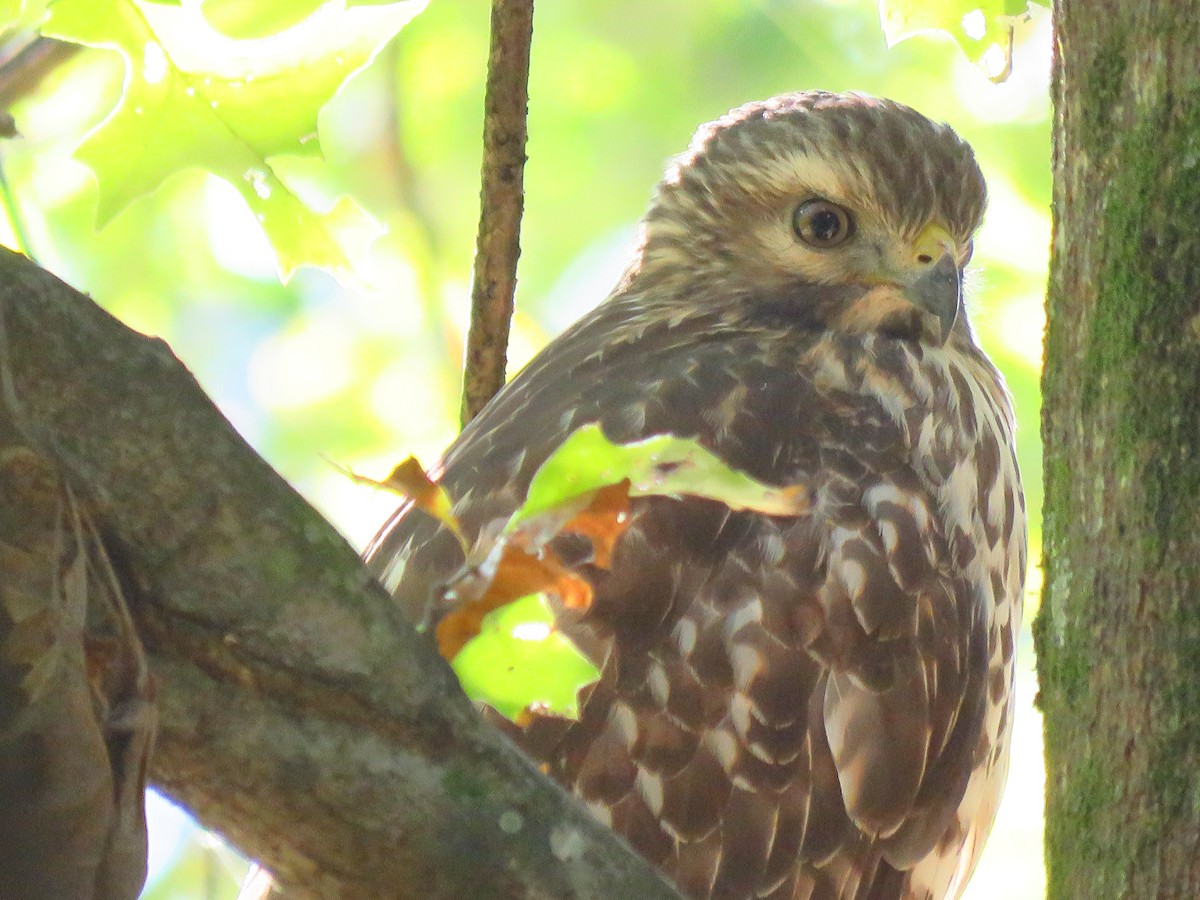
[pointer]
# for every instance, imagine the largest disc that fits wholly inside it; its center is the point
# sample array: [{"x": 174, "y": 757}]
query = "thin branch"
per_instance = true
[
  {"x": 24, "y": 67},
  {"x": 299, "y": 713},
  {"x": 501, "y": 202},
  {"x": 25, "y": 61}
]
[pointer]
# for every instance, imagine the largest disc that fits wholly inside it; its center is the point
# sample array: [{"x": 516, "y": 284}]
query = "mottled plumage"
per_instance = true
[{"x": 813, "y": 707}]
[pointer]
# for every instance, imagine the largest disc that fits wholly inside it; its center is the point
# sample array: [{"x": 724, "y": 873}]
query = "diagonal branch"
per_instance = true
[
  {"x": 299, "y": 714},
  {"x": 501, "y": 202},
  {"x": 25, "y": 63}
]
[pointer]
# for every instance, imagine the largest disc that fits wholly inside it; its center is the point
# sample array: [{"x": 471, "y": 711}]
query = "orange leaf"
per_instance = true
[
  {"x": 409, "y": 479},
  {"x": 525, "y": 564},
  {"x": 603, "y": 521},
  {"x": 460, "y": 626},
  {"x": 517, "y": 574}
]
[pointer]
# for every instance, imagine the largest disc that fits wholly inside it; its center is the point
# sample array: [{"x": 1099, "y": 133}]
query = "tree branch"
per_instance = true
[
  {"x": 299, "y": 713},
  {"x": 23, "y": 66},
  {"x": 501, "y": 202}
]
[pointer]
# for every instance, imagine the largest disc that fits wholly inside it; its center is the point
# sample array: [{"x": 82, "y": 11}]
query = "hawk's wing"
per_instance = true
[{"x": 788, "y": 707}]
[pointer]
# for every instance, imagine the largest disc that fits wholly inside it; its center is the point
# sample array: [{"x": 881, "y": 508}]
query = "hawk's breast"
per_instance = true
[{"x": 954, "y": 414}]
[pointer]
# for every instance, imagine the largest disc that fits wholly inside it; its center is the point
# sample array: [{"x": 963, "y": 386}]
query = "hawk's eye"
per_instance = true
[{"x": 821, "y": 224}]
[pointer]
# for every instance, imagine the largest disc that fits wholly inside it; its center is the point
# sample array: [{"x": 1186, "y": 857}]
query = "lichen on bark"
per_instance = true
[{"x": 1118, "y": 635}]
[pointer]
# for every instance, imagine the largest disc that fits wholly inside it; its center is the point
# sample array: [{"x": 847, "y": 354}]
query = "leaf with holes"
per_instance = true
[
  {"x": 195, "y": 97},
  {"x": 662, "y": 465},
  {"x": 521, "y": 665},
  {"x": 983, "y": 28}
]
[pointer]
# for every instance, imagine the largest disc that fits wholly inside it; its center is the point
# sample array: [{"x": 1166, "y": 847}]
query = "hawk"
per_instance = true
[{"x": 800, "y": 708}]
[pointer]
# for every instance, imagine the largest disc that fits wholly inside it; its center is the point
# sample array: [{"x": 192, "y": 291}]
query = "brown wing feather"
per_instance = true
[{"x": 788, "y": 708}]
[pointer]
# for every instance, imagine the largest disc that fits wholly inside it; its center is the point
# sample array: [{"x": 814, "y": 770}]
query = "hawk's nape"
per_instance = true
[{"x": 789, "y": 708}]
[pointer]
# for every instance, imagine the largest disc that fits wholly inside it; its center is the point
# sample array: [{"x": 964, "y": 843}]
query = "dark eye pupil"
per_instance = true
[
  {"x": 822, "y": 224},
  {"x": 826, "y": 225}
]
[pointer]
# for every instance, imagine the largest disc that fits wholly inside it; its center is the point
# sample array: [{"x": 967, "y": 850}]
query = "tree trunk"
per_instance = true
[{"x": 1118, "y": 635}]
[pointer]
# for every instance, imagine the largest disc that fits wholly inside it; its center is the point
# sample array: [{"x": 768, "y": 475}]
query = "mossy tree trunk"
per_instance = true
[{"x": 1118, "y": 635}]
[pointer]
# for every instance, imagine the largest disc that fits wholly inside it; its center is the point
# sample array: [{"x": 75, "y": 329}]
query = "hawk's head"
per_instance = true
[{"x": 818, "y": 189}]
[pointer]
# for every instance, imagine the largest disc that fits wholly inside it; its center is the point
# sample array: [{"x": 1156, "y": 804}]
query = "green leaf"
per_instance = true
[
  {"x": 519, "y": 661},
  {"x": 983, "y": 28},
  {"x": 663, "y": 465},
  {"x": 196, "y": 98},
  {"x": 240, "y": 19}
]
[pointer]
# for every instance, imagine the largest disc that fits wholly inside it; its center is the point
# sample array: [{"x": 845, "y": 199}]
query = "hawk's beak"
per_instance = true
[{"x": 936, "y": 279}]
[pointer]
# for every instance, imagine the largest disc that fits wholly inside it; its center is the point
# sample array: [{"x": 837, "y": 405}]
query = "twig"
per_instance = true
[
  {"x": 23, "y": 70},
  {"x": 501, "y": 202},
  {"x": 24, "y": 62}
]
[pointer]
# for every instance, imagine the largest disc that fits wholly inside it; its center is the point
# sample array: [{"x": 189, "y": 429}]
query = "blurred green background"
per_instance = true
[{"x": 313, "y": 371}]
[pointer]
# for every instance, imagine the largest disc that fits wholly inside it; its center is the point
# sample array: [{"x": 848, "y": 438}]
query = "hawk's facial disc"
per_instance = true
[{"x": 830, "y": 190}]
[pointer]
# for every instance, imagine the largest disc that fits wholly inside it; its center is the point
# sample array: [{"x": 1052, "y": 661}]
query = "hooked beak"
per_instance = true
[{"x": 936, "y": 282}]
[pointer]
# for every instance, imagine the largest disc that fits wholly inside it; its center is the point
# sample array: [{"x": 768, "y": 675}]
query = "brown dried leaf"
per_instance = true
[
  {"x": 523, "y": 562},
  {"x": 73, "y": 771},
  {"x": 603, "y": 521},
  {"x": 516, "y": 574}
]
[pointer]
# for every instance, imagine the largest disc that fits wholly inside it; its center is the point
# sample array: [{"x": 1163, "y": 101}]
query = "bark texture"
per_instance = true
[
  {"x": 299, "y": 714},
  {"x": 1118, "y": 635},
  {"x": 501, "y": 201}
]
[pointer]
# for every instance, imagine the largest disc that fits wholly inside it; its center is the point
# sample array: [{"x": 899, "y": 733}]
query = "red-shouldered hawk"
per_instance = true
[{"x": 808, "y": 707}]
